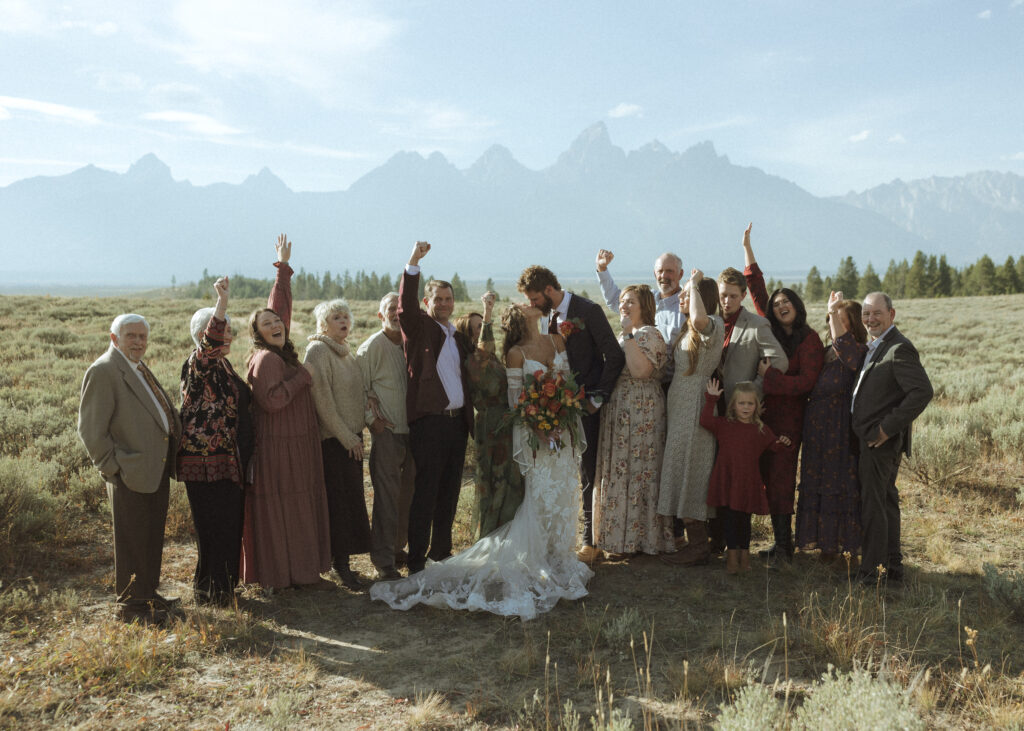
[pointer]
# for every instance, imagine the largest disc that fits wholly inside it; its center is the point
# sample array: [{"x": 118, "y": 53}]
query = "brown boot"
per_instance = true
[
  {"x": 732, "y": 560},
  {"x": 696, "y": 552},
  {"x": 744, "y": 560}
]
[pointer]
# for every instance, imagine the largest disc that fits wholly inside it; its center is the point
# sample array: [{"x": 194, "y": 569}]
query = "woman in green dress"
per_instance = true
[{"x": 499, "y": 483}]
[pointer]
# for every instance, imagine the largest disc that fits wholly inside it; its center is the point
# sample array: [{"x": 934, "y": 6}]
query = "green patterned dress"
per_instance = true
[{"x": 499, "y": 484}]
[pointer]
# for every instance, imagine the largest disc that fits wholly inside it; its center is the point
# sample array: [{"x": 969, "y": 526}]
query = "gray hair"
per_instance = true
[
  {"x": 385, "y": 302},
  {"x": 325, "y": 309},
  {"x": 886, "y": 298},
  {"x": 200, "y": 321},
  {"x": 128, "y": 318},
  {"x": 671, "y": 257}
]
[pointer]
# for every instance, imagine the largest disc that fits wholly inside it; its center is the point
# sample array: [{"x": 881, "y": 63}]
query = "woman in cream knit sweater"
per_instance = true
[{"x": 340, "y": 402}]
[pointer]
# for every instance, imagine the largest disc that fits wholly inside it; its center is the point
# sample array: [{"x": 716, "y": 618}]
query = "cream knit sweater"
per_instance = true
[{"x": 338, "y": 392}]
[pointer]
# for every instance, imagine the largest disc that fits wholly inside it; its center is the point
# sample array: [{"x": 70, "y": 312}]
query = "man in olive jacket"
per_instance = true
[
  {"x": 131, "y": 431},
  {"x": 892, "y": 389}
]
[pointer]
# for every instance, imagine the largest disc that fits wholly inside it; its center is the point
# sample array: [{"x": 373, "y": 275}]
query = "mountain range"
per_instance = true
[{"x": 142, "y": 227}]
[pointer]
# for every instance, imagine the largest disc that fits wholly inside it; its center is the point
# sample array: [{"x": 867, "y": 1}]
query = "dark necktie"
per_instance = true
[{"x": 553, "y": 325}]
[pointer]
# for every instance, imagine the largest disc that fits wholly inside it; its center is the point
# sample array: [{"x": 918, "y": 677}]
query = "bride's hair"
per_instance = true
[{"x": 513, "y": 324}]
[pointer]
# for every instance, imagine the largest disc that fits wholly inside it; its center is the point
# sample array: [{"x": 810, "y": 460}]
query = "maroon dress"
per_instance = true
[
  {"x": 285, "y": 540},
  {"x": 828, "y": 514},
  {"x": 785, "y": 398},
  {"x": 736, "y": 480}
]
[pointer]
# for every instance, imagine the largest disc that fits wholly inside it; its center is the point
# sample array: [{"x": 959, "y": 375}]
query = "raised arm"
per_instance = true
[
  {"x": 280, "y": 300},
  {"x": 754, "y": 276},
  {"x": 609, "y": 290},
  {"x": 694, "y": 302},
  {"x": 486, "y": 340},
  {"x": 408, "y": 292}
]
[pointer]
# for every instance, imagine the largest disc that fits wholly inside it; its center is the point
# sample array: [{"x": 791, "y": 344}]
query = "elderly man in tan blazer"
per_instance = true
[{"x": 131, "y": 431}]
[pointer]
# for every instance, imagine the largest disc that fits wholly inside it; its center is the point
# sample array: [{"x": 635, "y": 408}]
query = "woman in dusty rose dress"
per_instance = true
[
  {"x": 828, "y": 512},
  {"x": 632, "y": 436},
  {"x": 285, "y": 539}
]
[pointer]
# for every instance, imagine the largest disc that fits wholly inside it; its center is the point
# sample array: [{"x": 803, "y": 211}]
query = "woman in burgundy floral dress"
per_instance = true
[
  {"x": 785, "y": 394},
  {"x": 828, "y": 513}
]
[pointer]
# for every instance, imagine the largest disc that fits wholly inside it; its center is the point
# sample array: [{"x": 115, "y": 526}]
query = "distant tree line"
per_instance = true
[
  {"x": 312, "y": 286},
  {"x": 925, "y": 276}
]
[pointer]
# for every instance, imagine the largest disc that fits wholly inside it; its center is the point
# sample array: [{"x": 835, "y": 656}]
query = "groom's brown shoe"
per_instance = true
[{"x": 590, "y": 555}]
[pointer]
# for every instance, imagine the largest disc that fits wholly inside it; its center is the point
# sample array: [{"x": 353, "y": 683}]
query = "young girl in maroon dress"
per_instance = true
[{"x": 736, "y": 490}]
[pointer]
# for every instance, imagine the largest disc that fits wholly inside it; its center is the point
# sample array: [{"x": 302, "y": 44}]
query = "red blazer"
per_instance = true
[{"x": 422, "y": 339}]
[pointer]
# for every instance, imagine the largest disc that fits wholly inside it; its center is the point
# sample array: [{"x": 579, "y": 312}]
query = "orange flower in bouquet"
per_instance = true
[{"x": 548, "y": 407}]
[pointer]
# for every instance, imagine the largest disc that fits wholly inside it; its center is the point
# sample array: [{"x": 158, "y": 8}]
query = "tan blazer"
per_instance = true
[
  {"x": 121, "y": 426},
  {"x": 751, "y": 340}
]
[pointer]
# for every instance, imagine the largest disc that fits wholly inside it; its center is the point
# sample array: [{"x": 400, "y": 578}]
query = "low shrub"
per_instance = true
[
  {"x": 1007, "y": 589},
  {"x": 27, "y": 505},
  {"x": 854, "y": 701}
]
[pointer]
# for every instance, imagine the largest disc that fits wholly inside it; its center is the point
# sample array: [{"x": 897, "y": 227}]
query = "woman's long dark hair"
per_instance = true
[
  {"x": 287, "y": 353},
  {"x": 789, "y": 341},
  {"x": 514, "y": 324}
]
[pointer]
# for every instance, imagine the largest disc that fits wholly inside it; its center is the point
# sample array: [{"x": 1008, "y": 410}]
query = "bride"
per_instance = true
[{"x": 524, "y": 567}]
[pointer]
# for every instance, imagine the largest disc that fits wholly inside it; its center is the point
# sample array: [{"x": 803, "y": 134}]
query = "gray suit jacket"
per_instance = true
[
  {"x": 751, "y": 340},
  {"x": 893, "y": 391},
  {"x": 121, "y": 426}
]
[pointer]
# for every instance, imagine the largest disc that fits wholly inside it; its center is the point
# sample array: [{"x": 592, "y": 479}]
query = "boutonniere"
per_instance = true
[{"x": 570, "y": 327}]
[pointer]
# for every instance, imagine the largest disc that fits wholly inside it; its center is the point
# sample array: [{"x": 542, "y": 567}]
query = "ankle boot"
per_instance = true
[
  {"x": 732, "y": 560},
  {"x": 782, "y": 527},
  {"x": 744, "y": 560},
  {"x": 696, "y": 552}
]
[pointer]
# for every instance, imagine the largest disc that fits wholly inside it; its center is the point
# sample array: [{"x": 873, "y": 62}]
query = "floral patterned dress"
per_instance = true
[
  {"x": 828, "y": 512},
  {"x": 498, "y": 481},
  {"x": 629, "y": 456}
]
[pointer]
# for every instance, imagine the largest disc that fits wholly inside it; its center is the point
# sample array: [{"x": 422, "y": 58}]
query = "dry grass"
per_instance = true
[{"x": 664, "y": 647}]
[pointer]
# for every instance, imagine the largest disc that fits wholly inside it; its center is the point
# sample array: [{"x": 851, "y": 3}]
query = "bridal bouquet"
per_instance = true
[{"x": 548, "y": 407}]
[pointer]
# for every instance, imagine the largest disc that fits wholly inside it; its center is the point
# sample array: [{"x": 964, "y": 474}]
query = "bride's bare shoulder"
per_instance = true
[{"x": 515, "y": 357}]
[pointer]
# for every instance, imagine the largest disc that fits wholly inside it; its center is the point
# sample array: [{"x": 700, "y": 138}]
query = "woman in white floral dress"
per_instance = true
[{"x": 632, "y": 436}]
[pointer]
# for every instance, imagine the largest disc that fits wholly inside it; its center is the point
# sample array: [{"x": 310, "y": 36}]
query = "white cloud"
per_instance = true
[
  {"x": 1016, "y": 157},
  {"x": 48, "y": 109},
  {"x": 307, "y": 42},
  {"x": 199, "y": 124},
  {"x": 860, "y": 136},
  {"x": 97, "y": 28},
  {"x": 624, "y": 109},
  {"x": 4, "y": 114},
  {"x": 985, "y": 15},
  {"x": 1016, "y": 3},
  {"x": 897, "y": 139}
]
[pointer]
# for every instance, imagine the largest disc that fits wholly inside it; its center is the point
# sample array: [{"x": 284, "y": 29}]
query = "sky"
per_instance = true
[{"x": 835, "y": 96}]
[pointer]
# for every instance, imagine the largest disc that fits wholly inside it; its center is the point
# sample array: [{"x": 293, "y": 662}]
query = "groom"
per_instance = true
[{"x": 596, "y": 359}]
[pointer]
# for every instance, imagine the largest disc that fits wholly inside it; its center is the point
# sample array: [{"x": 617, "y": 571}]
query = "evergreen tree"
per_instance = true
[
  {"x": 931, "y": 275},
  {"x": 1020, "y": 268},
  {"x": 489, "y": 286},
  {"x": 814, "y": 288},
  {"x": 983, "y": 278},
  {"x": 847, "y": 279},
  {"x": 915, "y": 284},
  {"x": 943, "y": 279},
  {"x": 1009, "y": 281},
  {"x": 869, "y": 281},
  {"x": 459, "y": 289},
  {"x": 894, "y": 279}
]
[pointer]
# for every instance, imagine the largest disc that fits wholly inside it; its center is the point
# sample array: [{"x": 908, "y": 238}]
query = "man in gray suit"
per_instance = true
[
  {"x": 748, "y": 336},
  {"x": 131, "y": 432},
  {"x": 892, "y": 389}
]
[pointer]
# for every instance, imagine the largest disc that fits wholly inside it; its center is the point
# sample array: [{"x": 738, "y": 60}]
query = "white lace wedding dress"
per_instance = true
[{"x": 525, "y": 566}]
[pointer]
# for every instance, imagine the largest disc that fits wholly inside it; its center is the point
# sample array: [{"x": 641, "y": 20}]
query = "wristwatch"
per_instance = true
[{"x": 628, "y": 337}]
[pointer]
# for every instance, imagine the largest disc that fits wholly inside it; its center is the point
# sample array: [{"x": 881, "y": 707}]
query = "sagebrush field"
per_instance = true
[{"x": 652, "y": 646}]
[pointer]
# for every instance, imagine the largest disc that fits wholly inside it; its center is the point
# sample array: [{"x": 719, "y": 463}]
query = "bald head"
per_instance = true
[
  {"x": 877, "y": 313},
  {"x": 668, "y": 270}
]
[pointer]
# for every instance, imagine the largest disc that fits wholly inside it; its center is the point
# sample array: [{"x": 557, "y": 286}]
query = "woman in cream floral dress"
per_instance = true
[{"x": 632, "y": 436}]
